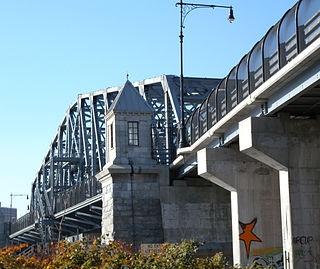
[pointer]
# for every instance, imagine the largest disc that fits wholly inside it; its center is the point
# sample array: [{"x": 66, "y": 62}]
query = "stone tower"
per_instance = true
[{"x": 130, "y": 178}]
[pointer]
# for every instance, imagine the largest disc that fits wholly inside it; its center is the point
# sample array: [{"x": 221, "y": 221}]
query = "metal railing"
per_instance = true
[
  {"x": 23, "y": 222},
  {"x": 297, "y": 29},
  {"x": 78, "y": 193}
]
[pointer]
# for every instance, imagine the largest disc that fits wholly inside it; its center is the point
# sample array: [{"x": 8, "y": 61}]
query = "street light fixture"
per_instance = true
[
  {"x": 12, "y": 195},
  {"x": 16, "y": 194},
  {"x": 185, "y": 9}
]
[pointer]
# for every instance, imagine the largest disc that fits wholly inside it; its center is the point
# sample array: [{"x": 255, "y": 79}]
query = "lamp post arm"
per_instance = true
[
  {"x": 185, "y": 9},
  {"x": 12, "y": 195},
  {"x": 201, "y": 5}
]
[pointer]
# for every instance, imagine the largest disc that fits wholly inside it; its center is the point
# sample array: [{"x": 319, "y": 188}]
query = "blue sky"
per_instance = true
[{"x": 51, "y": 51}]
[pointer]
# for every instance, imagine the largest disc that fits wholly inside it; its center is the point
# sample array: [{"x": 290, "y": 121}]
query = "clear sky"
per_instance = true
[{"x": 51, "y": 51}]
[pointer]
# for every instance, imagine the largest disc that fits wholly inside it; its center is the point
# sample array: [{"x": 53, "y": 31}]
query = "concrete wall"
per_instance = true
[
  {"x": 254, "y": 198},
  {"x": 199, "y": 210},
  {"x": 292, "y": 147},
  {"x": 304, "y": 185}
]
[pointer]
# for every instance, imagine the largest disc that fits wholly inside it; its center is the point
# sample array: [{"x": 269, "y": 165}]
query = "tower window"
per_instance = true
[
  {"x": 111, "y": 135},
  {"x": 133, "y": 133}
]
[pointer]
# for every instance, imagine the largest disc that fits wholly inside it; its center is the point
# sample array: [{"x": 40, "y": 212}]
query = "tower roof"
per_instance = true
[{"x": 129, "y": 100}]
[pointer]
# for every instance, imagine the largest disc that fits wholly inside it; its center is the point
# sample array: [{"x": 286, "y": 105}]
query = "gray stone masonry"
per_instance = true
[
  {"x": 131, "y": 205},
  {"x": 140, "y": 206},
  {"x": 130, "y": 179}
]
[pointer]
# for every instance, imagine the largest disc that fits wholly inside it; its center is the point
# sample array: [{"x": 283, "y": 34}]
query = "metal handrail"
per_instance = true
[{"x": 304, "y": 34}]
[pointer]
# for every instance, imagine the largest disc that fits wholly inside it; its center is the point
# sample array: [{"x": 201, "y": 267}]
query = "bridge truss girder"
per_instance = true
[{"x": 77, "y": 152}]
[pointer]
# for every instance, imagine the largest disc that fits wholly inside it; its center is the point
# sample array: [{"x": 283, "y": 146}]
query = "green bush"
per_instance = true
[{"x": 85, "y": 254}]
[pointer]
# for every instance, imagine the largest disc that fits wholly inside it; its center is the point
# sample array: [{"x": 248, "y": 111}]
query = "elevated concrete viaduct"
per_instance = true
[
  {"x": 273, "y": 177},
  {"x": 265, "y": 152}
]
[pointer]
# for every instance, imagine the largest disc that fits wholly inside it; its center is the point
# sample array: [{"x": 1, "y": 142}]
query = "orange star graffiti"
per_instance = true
[{"x": 248, "y": 236}]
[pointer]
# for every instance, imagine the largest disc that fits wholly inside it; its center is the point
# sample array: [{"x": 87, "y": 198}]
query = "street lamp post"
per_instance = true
[
  {"x": 185, "y": 9},
  {"x": 12, "y": 195}
]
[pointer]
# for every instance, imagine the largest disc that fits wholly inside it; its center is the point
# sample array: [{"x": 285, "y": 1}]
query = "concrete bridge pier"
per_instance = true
[
  {"x": 292, "y": 147},
  {"x": 255, "y": 203}
]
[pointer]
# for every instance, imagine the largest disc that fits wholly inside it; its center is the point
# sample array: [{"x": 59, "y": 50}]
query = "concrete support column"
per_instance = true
[
  {"x": 254, "y": 195},
  {"x": 292, "y": 147},
  {"x": 235, "y": 228}
]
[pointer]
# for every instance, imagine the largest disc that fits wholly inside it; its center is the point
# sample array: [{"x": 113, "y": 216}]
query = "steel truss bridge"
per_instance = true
[
  {"x": 65, "y": 196},
  {"x": 281, "y": 73}
]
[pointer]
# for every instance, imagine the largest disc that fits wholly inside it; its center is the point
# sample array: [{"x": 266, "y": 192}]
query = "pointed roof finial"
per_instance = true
[
  {"x": 127, "y": 76},
  {"x": 129, "y": 99}
]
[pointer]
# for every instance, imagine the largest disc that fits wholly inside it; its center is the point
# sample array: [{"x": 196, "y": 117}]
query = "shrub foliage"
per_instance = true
[{"x": 85, "y": 254}]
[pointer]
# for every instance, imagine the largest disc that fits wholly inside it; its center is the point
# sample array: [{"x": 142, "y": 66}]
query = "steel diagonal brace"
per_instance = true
[
  {"x": 47, "y": 202},
  {"x": 68, "y": 225},
  {"x": 32, "y": 237},
  {"x": 26, "y": 239},
  {"x": 19, "y": 240},
  {"x": 84, "y": 132},
  {"x": 96, "y": 132},
  {"x": 85, "y": 215},
  {"x": 95, "y": 209},
  {"x": 34, "y": 233},
  {"x": 85, "y": 221},
  {"x": 170, "y": 88},
  {"x": 40, "y": 201}
]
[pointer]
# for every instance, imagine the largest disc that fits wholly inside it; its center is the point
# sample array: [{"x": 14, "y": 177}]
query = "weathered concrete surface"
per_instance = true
[
  {"x": 199, "y": 210},
  {"x": 292, "y": 146},
  {"x": 254, "y": 198}
]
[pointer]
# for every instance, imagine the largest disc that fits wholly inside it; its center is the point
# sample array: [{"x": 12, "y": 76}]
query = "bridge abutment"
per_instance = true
[{"x": 292, "y": 147}]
